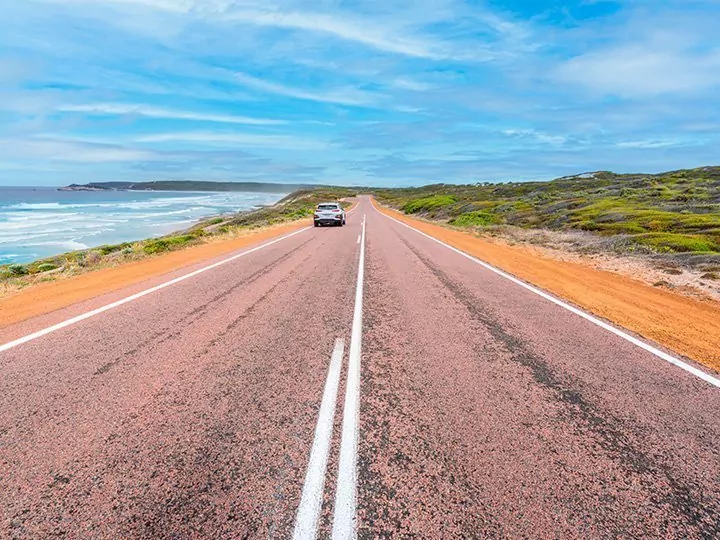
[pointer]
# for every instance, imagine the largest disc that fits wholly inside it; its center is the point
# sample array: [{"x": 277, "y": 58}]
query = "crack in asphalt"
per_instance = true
[{"x": 686, "y": 500}]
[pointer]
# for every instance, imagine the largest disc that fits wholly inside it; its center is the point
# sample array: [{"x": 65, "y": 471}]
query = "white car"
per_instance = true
[{"x": 329, "y": 214}]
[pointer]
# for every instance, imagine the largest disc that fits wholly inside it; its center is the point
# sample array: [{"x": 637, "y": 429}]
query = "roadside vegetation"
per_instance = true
[
  {"x": 675, "y": 212},
  {"x": 671, "y": 219},
  {"x": 296, "y": 206},
  {"x": 662, "y": 228}
]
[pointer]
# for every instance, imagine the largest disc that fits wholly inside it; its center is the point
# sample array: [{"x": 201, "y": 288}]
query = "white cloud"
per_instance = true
[
  {"x": 72, "y": 151},
  {"x": 341, "y": 96},
  {"x": 178, "y": 6},
  {"x": 381, "y": 34},
  {"x": 648, "y": 144},
  {"x": 661, "y": 64},
  {"x": 159, "y": 112},
  {"x": 411, "y": 84},
  {"x": 367, "y": 32},
  {"x": 537, "y": 135},
  {"x": 239, "y": 139}
]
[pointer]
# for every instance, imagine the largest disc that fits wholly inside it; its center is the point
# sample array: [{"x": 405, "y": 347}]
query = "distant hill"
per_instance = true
[{"x": 187, "y": 185}]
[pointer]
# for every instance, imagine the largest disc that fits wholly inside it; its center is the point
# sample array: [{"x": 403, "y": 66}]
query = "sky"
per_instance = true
[{"x": 356, "y": 92}]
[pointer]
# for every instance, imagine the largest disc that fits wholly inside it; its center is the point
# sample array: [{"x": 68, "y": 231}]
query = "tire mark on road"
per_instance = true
[
  {"x": 685, "y": 498},
  {"x": 179, "y": 326},
  {"x": 401, "y": 466}
]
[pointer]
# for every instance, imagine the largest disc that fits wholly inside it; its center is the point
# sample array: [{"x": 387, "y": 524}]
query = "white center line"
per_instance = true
[
  {"x": 135, "y": 296},
  {"x": 312, "y": 495},
  {"x": 344, "y": 526},
  {"x": 358, "y": 240}
]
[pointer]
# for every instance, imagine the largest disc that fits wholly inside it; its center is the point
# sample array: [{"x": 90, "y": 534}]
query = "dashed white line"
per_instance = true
[
  {"x": 312, "y": 495},
  {"x": 602, "y": 324},
  {"x": 344, "y": 518},
  {"x": 358, "y": 240},
  {"x": 135, "y": 296}
]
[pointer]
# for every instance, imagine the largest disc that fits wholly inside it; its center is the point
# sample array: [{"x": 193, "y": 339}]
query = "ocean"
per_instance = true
[{"x": 42, "y": 222}]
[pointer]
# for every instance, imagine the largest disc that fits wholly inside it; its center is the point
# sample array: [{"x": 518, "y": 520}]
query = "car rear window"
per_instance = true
[{"x": 327, "y": 206}]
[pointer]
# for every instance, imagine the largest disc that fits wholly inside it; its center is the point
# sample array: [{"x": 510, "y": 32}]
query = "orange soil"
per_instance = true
[
  {"x": 46, "y": 297},
  {"x": 686, "y": 325}
]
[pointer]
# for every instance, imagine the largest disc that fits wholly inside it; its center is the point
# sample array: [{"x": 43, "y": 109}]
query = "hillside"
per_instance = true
[
  {"x": 187, "y": 185},
  {"x": 673, "y": 212}
]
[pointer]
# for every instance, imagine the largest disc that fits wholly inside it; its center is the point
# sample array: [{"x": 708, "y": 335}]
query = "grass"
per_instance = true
[{"x": 674, "y": 212}]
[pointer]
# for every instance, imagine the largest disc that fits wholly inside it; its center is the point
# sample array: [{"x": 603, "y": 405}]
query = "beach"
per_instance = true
[{"x": 37, "y": 222}]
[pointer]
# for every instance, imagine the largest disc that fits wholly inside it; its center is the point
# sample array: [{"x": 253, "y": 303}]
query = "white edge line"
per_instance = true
[
  {"x": 140, "y": 294},
  {"x": 312, "y": 494},
  {"x": 344, "y": 526},
  {"x": 602, "y": 324}
]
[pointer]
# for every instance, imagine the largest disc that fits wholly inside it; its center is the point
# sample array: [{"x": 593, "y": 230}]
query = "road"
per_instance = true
[{"x": 439, "y": 400}]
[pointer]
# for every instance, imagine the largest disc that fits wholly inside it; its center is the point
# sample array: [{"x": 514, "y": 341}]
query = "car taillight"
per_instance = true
[
  {"x": 338, "y": 211},
  {"x": 317, "y": 216}
]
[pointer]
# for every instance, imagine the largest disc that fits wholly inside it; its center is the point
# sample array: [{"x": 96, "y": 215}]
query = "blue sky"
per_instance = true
[{"x": 383, "y": 92}]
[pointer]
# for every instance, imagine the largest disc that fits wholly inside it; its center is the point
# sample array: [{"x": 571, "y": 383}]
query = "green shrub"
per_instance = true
[
  {"x": 18, "y": 269},
  {"x": 672, "y": 242},
  {"x": 475, "y": 219},
  {"x": 106, "y": 250},
  {"x": 428, "y": 203},
  {"x": 168, "y": 243},
  {"x": 45, "y": 267}
]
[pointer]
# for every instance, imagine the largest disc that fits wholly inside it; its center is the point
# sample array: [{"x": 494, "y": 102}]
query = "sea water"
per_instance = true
[{"x": 41, "y": 222}]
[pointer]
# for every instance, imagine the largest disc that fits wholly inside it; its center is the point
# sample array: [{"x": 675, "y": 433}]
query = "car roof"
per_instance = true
[{"x": 335, "y": 203}]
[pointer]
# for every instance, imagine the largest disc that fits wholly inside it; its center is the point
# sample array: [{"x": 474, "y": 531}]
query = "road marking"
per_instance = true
[
  {"x": 602, "y": 324},
  {"x": 312, "y": 495},
  {"x": 344, "y": 526},
  {"x": 135, "y": 296},
  {"x": 358, "y": 240}
]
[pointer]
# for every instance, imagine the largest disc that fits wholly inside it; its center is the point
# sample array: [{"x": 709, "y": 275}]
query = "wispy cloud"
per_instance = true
[
  {"x": 411, "y": 84},
  {"x": 367, "y": 32},
  {"x": 340, "y": 96},
  {"x": 236, "y": 139},
  {"x": 121, "y": 109},
  {"x": 641, "y": 70},
  {"x": 656, "y": 143},
  {"x": 160, "y": 112},
  {"x": 535, "y": 135},
  {"x": 48, "y": 149}
]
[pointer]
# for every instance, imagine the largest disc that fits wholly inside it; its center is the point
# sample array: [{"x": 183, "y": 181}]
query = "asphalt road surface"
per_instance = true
[{"x": 363, "y": 381}]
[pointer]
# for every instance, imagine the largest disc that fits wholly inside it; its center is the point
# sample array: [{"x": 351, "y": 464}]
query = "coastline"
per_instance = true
[
  {"x": 224, "y": 228},
  {"x": 42, "y": 223},
  {"x": 44, "y": 297}
]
